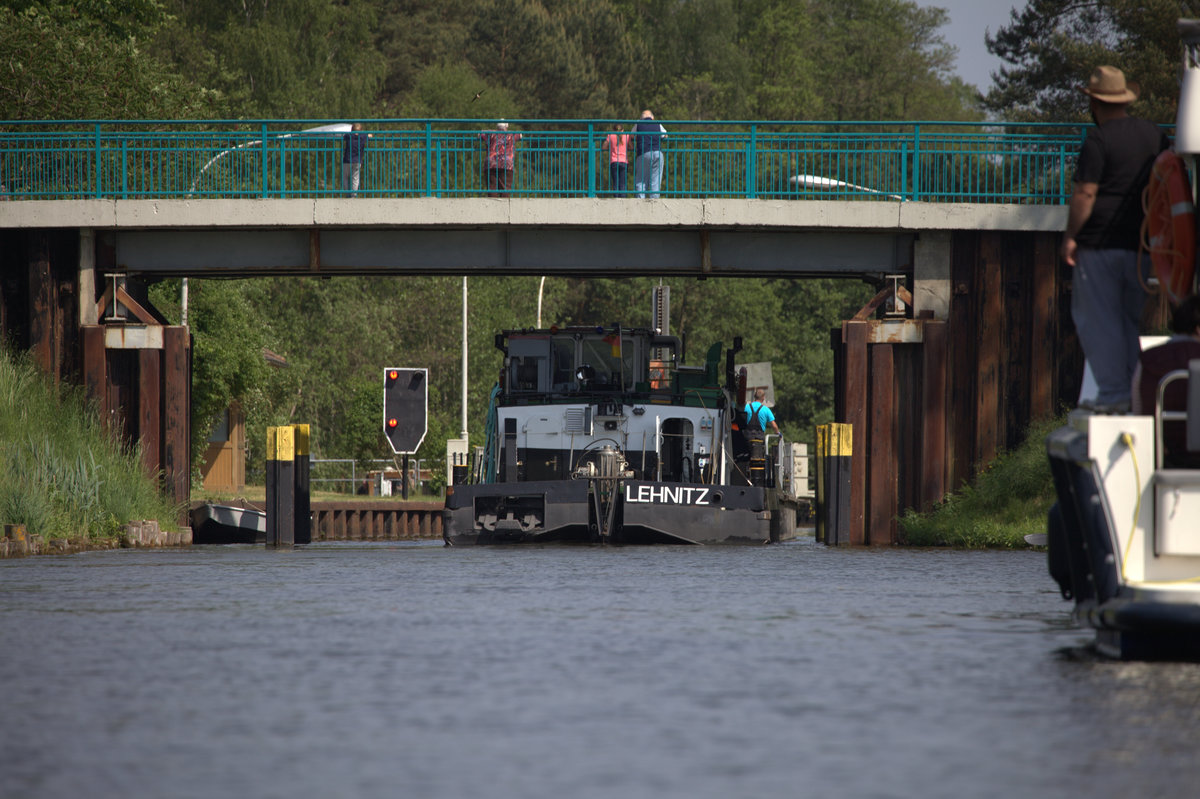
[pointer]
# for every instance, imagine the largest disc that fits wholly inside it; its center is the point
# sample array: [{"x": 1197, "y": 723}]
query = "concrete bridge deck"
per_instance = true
[{"x": 580, "y": 236}]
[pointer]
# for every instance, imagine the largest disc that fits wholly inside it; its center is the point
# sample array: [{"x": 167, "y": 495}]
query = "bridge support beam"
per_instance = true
[{"x": 931, "y": 274}]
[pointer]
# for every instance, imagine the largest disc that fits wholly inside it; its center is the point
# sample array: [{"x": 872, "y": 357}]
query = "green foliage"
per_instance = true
[
  {"x": 1051, "y": 47},
  {"x": 455, "y": 91},
  {"x": 61, "y": 474},
  {"x": 283, "y": 58},
  {"x": 228, "y": 357},
  {"x": 79, "y": 61},
  {"x": 1008, "y": 500}
]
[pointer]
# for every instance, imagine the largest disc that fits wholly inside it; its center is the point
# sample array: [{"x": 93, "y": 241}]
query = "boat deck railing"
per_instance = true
[{"x": 930, "y": 161}]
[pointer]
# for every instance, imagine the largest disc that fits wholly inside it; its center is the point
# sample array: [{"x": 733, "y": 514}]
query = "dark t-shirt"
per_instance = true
[
  {"x": 353, "y": 145},
  {"x": 1117, "y": 156}
]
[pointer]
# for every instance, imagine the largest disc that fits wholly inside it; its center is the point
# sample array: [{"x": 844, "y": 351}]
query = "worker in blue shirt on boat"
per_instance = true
[{"x": 758, "y": 415}]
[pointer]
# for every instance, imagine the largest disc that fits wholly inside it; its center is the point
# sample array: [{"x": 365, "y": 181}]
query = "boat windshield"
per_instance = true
[
  {"x": 611, "y": 359},
  {"x": 568, "y": 363}
]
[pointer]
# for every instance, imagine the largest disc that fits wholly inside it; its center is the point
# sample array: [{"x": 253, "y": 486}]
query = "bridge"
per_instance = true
[{"x": 958, "y": 222}]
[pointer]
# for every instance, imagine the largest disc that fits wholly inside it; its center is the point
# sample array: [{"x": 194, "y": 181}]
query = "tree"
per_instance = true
[
  {"x": 415, "y": 36},
  {"x": 89, "y": 60},
  {"x": 1051, "y": 46},
  {"x": 454, "y": 90},
  {"x": 886, "y": 60},
  {"x": 282, "y": 58}
]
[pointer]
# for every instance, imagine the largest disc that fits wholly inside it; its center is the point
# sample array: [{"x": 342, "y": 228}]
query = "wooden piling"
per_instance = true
[
  {"x": 855, "y": 343},
  {"x": 881, "y": 441},
  {"x": 933, "y": 415}
]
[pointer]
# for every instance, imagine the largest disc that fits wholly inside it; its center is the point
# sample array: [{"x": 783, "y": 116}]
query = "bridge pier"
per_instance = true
[
  {"x": 136, "y": 368},
  {"x": 990, "y": 351}
]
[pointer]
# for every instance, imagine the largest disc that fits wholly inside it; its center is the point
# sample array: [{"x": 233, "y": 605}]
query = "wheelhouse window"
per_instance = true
[
  {"x": 611, "y": 359},
  {"x": 528, "y": 365}
]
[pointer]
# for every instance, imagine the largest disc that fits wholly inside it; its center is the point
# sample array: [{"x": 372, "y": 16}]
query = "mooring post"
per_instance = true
[
  {"x": 838, "y": 484},
  {"x": 281, "y": 487},
  {"x": 303, "y": 504},
  {"x": 822, "y": 514}
]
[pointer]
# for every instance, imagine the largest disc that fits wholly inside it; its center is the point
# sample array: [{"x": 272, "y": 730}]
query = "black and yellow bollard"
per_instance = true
[
  {"x": 281, "y": 487},
  {"x": 822, "y": 510},
  {"x": 303, "y": 512},
  {"x": 837, "y": 485}
]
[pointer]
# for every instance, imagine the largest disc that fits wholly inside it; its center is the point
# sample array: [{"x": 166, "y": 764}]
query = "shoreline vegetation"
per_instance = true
[
  {"x": 65, "y": 484},
  {"x": 1009, "y": 499}
]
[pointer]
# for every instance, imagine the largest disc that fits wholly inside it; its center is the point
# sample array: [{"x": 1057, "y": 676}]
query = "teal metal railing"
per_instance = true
[{"x": 917, "y": 161}]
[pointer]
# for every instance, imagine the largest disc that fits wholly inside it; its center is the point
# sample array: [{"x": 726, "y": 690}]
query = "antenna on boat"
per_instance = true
[{"x": 661, "y": 315}]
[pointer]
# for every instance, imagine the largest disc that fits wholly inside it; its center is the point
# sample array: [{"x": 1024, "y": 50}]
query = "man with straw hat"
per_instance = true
[{"x": 1101, "y": 240}]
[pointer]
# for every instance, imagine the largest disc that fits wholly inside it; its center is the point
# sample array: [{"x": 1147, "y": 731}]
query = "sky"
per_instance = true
[{"x": 969, "y": 21}]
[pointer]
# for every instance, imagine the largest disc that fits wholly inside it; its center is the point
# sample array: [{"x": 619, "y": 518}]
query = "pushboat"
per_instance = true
[{"x": 599, "y": 435}]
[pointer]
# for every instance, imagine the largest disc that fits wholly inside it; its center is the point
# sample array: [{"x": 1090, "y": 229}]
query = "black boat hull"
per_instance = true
[{"x": 568, "y": 511}]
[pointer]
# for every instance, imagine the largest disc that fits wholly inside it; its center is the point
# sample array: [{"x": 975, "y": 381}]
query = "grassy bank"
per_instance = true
[
  {"x": 61, "y": 475},
  {"x": 1006, "y": 502}
]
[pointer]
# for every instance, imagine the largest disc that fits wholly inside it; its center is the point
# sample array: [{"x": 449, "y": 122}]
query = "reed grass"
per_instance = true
[
  {"x": 1008, "y": 500},
  {"x": 61, "y": 474}
]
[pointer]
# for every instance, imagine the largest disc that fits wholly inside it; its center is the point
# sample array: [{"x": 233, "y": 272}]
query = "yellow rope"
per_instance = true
[{"x": 1127, "y": 440}]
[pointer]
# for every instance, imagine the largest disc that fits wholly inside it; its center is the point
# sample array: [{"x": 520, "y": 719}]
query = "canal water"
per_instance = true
[{"x": 413, "y": 670}]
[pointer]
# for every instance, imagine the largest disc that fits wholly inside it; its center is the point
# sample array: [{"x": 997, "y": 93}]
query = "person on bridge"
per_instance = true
[
  {"x": 758, "y": 415},
  {"x": 617, "y": 144},
  {"x": 649, "y": 136},
  {"x": 501, "y": 157},
  {"x": 1101, "y": 239},
  {"x": 354, "y": 144}
]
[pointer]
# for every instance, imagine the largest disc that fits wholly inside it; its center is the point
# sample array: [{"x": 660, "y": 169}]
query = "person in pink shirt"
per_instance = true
[
  {"x": 501, "y": 157},
  {"x": 617, "y": 144}
]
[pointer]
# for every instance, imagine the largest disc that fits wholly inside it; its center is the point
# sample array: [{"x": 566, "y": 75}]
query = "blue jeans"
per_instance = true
[
  {"x": 1107, "y": 299},
  {"x": 649, "y": 173},
  {"x": 617, "y": 171},
  {"x": 350, "y": 174}
]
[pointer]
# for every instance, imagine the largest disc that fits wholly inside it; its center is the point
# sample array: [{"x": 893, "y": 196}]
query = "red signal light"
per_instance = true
[
  {"x": 392, "y": 422},
  {"x": 393, "y": 374}
]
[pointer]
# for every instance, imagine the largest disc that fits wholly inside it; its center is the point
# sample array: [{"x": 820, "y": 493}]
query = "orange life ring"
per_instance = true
[{"x": 1169, "y": 229}]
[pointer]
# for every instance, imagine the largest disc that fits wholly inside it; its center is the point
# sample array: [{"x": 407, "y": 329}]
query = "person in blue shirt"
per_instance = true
[{"x": 758, "y": 415}]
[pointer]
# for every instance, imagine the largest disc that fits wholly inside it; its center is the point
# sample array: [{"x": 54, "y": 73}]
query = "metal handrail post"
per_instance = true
[
  {"x": 916, "y": 186},
  {"x": 263, "y": 159},
  {"x": 428, "y": 159},
  {"x": 752, "y": 163},
  {"x": 591, "y": 160},
  {"x": 438, "y": 171},
  {"x": 1062, "y": 173},
  {"x": 99, "y": 163}
]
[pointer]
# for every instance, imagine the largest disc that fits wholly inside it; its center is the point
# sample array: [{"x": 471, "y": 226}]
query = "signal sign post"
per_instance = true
[{"x": 405, "y": 412}]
